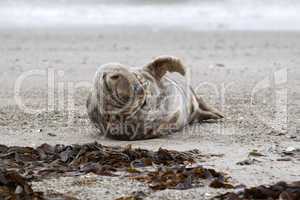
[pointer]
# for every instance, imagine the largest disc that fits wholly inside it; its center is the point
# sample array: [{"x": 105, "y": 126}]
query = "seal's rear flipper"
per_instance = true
[
  {"x": 201, "y": 115},
  {"x": 205, "y": 107},
  {"x": 163, "y": 64}
]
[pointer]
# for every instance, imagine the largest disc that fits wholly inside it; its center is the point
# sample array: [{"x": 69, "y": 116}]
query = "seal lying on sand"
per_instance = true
[{"x": 132, "y": 104}]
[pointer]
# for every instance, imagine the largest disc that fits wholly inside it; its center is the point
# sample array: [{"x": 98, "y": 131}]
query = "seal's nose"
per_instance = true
[
  {"x": 112, "y": 76},
  {"x": 115, "y": 77}
]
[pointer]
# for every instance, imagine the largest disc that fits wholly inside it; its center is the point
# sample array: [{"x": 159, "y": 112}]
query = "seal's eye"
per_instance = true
[
  {"x": 138, "y": 89},
  {"x": 115, "y": 77}
]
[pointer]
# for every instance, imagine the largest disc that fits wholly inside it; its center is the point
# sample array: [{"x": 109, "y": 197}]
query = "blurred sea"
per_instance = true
[{"x": 189, "y": 14}]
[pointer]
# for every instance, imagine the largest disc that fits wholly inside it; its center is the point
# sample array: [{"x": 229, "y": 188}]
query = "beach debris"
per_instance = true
[
  {"x": 291, "y": 151},
  {"x": 52, "y": 135},
  {"x": 255, "y": 153},
  {"x": 249, "y": 161},
  {"x": 133, "y": 170},
  {"x": 277, "y": 133},
  {"x": 129, "y": 198},
  {"x": 219, "y": 65},
  {"x": 221, "y": 183},
  {"x": 85, "y": 181},
  {"x": 58, "y": 196},
  {"x": 219, "y": 155},
  {"x": 139, "y": 195},
  {"x": 74, "y": 160},
  {"x": 280, "y": 190},
  {"x": 183, "y": 177},
  {"x": 293, "y": 136},
  {"x": 162, "y": 169},
  {"x": 14, "y": 186},
  {"x": 215, "y": 65},
  {"x": 284, "y": 159}
]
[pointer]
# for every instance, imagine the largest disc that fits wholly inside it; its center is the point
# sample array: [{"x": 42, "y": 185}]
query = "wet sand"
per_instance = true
[{"x": 253, "y": 77}]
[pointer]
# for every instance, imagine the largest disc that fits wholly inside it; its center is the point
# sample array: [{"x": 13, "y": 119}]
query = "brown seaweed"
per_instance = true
[
  {"x": 168, "y": 169},
  {"x": 280, "y": 190},
  {"x": 58, "y": 160},
  {"x": 14, "y": 186},
  {"x": 183, "y": 177}
]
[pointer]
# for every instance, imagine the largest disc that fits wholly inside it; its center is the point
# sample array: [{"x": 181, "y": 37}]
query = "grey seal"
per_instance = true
[{"x": 127, "y": 103}]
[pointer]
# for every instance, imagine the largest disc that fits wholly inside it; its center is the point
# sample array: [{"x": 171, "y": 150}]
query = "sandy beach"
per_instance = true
[{"x": 253, "y": 77}]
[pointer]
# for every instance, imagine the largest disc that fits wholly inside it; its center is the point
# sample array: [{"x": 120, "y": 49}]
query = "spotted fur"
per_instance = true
[{"x": 165, "y": 106}]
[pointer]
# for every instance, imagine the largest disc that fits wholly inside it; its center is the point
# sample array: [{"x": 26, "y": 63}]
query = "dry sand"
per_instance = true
[{"x": 228, "y": 68}]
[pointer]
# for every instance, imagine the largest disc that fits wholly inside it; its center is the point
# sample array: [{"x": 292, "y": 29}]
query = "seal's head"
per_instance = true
[{"x": 120, "y": 89}]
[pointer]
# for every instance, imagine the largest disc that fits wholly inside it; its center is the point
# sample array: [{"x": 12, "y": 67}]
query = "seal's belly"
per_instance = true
[
  {"x": 180, "y": 103},
  {"x": 169, "y": 107}
]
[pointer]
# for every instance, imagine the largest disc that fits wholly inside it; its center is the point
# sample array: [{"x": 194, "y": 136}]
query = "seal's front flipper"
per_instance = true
[
  {"x": 92, "y": 109},
  {"x": 163, "y": 64}
]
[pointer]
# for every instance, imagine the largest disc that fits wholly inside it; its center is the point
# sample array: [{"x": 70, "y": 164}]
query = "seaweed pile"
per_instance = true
[
  {"x": 47, "y": 160},
  {"x": 162, "y": 169},
  {"x": 14, "y": 186},
  {"x": 172, "y": 169},
  {"x": 134, "y": 196},
  {"x": 280, "y": 190},
  {"x": 183, "y": 177}
]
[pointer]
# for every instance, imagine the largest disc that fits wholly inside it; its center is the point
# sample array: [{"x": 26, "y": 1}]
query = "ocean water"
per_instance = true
[{"x": 189, "y": 14}]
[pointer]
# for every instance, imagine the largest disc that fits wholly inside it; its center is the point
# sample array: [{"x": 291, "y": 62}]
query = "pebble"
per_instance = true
[
  {"x": 247, "y": 162},
  {"x": 18, "y": 190},
  {"x": 291, "y": 150}
]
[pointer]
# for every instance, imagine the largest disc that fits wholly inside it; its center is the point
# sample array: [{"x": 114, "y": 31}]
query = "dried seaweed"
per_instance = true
[
  {"x": 14, "y": 186},
  {"x": 129, "y": 198},
  {"x": 135, "y": 196},
  {"x": 280, "y": 190},
  {"x": 47, "y": 160},
  {"x": 169, "y": 169},
  {"x": 183, "y": 177}
]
